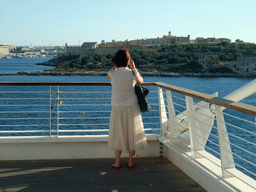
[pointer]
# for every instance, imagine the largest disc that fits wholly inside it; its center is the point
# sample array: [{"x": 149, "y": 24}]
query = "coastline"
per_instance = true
[{"x": 103, "y": 73}]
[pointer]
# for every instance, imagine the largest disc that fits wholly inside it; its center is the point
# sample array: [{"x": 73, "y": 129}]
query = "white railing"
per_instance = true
[
  {"x": 198, "y": 123},
  {"x": 200, "y": 126},
  {"x": 53, "y": 110}
]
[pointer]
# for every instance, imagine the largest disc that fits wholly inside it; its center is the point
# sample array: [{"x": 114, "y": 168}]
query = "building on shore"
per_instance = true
[
  {"x": 246, "y": 65},
  {"x": 113, "y": 46},
  {"x": 110, "y": 47},
  {"x": 165, "y": 40},
  {"x": 90, "y": 45},
  {"x": 5, "y": 50},
  {"x": 209, "y": 59},
  {"x": 210, "y": 40}
]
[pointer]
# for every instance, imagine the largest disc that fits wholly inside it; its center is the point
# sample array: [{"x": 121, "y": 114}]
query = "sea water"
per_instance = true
[{"x": 223, "y": 86}]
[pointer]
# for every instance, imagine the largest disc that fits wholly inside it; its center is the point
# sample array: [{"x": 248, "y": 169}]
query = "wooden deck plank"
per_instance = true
[{"x": 150, "y": 174}]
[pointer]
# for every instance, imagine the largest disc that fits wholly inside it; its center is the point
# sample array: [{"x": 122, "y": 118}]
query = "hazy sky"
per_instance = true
[{"x": 56, "y": 22}]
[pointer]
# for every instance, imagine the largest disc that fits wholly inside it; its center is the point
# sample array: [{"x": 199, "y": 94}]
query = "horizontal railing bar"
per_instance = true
[
  {"x": 254, "y": 144},
  {"x": 85, "y": 92},
  {"x": 21, "y": 118},
  {"x": 244, "y": 108},
  {"x": 151, "y": 123},
  {"x": 213, "y": 143},
  {"x": 81, "y": 130},
  {"x": 25, "y": 111},
  {"x": 80, "y": 124},
  {"x": 25, "y": 91},
  {"x": 70, "y": 105},
  {"x": 178, "y": 98},
  {"x": 94, "y": 117},
  {"x": 77, "y": 130},
  {"x": 152, "y": 129},
  {"x": 241, "y": 107},
  {"x": 241, "y": 129},
  {"x": 81, "y": 118},
  {"x": 62, "y": 84},
  {"x": 212, "y": 150},
  {"x": 180, "y": 105},
  {"x": 82, "y": 111},
  {"x": 87, "y": 98},
  {"x": 99, "y": 130},
  {"x": 242, "y": 168},
  {"x": 27, "y": 131},
  {"x": 98, "y": 124},
  {"x": 238, "y": 156},
  {"x": 151, "y": 117},
  {"x": 24, "y": 105},
  {"x": 24, "y": 98},
  {"x": 239, "y": 118},
  {"x": 24, "y": 125},
  {"x": 243, "y": 149}
]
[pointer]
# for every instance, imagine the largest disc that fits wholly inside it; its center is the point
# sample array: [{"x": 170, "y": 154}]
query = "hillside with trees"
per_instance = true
[{"x": 178, "y": 58}]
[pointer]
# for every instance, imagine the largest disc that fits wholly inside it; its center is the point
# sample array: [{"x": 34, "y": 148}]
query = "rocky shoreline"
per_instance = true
[{"x": 104, "y": 73}]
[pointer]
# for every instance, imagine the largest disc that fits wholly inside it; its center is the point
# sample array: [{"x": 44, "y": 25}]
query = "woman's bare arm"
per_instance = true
[
  {"x": 113, "y": 68},
  {"x": 138, "y": 77}
]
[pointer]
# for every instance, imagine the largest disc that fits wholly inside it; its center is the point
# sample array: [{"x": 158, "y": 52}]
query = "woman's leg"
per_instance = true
[
  {"x": 118, "y": 156},
  {"x": 131, "y": 157}
]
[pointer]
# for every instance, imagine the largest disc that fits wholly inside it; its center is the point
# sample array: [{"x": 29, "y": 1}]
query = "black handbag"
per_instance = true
[{"x": 141, "y": 93}]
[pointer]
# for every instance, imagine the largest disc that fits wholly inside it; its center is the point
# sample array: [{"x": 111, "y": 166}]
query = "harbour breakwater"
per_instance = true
[{"x": 104, "y": 73}]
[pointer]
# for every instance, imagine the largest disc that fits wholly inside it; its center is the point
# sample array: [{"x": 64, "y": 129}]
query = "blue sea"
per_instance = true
[
  {"x": 222, "y": 85},
  {"x": 14, "y": 65}
]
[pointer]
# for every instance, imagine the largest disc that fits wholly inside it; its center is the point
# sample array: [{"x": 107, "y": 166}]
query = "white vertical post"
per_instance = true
[
  {"x": 50, "y": 111},
  {"x": 226, "y": 156},
  {"x": 194, "y": 129},
  {"x": 58, "y": 106},
  {"x": 173, "y": 124},
  {"x": 162, "y": 110}
]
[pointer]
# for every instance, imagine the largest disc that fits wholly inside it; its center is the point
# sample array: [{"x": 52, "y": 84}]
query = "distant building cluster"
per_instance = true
[
  {"x": 29, "y": 51},
  {"x": 210, "y": 40},
  {"x": 243, "y": 65},
  {"x": 165, "y": 40},
  {"x": 5, "y": 50},
  {"x": 208, "y": 59},
  {"x": 105, "y": 47}
]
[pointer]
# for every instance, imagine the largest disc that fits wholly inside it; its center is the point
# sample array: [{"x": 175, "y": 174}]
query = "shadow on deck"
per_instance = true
[{"x": 150, "y": 174}]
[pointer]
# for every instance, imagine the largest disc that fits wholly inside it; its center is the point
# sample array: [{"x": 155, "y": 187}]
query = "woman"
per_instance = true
[{"x": 126, "y": 130}]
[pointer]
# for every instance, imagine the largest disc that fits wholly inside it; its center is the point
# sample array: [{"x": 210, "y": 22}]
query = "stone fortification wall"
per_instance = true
[{"x": 82, "y": 51}]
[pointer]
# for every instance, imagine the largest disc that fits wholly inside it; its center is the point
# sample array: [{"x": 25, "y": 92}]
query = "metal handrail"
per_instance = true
[
  {"x": 189, "y": 94},
  {"x": 55, "y": 112},
  {"x": 214, "y": 145}
]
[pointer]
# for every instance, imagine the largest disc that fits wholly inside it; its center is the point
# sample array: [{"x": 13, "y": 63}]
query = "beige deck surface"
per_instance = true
[{"x": 150, "y": 174}]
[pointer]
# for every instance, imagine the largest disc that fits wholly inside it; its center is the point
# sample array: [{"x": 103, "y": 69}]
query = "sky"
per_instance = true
[{"x": 56, "y": 22}]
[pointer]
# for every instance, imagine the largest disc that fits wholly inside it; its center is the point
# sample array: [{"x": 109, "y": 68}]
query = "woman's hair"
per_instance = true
[{"x": 121, "y": 58}]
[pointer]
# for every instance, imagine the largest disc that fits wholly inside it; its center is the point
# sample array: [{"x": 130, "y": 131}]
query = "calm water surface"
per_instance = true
[
  {"x": 14, "y": 65},
  {"x": 223, "y": 86}
]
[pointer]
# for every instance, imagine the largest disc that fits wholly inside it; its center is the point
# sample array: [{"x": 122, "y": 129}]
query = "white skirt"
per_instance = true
[{"x": 126, "y": 130}]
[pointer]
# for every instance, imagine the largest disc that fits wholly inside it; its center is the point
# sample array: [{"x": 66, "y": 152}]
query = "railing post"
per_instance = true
[
  {"x": 226, "y": 156},
  {"x": 162, "y": 110},
  {"x": 194, "y": 130},
  {"x": 173, "y": 124},
  {"x": 51, "y": 108},
  {"x": 58, "y": 106}
]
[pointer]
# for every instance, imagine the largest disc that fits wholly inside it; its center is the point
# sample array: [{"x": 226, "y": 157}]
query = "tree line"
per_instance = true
[{"x": 172, "y": 58}]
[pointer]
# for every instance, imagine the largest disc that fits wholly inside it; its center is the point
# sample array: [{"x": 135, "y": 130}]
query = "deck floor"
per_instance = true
[{"x": 150, "y": 174}]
